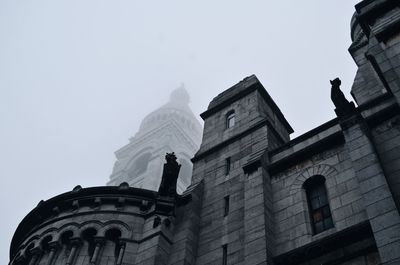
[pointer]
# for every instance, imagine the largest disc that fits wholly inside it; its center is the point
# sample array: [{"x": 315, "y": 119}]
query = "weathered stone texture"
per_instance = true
[
  {"x": 254, "y": 206},
  {"x": 387, "y": 142},
  {"x": 243, "y": 228},
  {"x": 293, "y": 228}
]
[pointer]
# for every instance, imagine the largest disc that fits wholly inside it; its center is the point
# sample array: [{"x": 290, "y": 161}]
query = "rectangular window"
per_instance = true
[
  {"x": 226, "y": 205},
  {"x": 227, "y": 166},
  {"x": 230, "y": 119},
  {"x": 225, "y": 254}
]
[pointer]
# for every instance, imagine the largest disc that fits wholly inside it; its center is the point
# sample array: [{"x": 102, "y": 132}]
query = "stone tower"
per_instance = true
[
  {"x": 172, "y": 127},
  {"x": 240, "y": 126}
]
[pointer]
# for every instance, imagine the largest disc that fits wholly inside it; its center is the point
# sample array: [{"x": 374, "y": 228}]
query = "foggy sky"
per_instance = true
[{"x": 77, "y": 77}]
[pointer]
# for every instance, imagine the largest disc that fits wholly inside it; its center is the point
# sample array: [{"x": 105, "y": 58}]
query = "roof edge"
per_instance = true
[{"x": 255, "y": 84}]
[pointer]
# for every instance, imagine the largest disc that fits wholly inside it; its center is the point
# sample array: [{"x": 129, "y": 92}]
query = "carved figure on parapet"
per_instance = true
[
  {"x": 343, "y": 106},
  {"x": 169, "y": 176}
]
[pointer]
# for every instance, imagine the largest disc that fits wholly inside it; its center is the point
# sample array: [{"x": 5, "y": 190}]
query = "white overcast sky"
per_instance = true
[{"x": 78, "y": 76}]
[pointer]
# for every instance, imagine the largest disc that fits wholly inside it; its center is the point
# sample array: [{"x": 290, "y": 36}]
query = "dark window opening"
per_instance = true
[
  {"x": 225, "y": 254},
  {"x": 226, "y": 205},
  {"x": 230, "y": 119},
  {"x": 45, "y": 243},
  {"x": 66, "y": 237},
  {"x": 114, "y": 235},
  {"x": 227, "y": 166},
  {"x": 320, "y": 213},
  {"x": 89, "y": 235}
]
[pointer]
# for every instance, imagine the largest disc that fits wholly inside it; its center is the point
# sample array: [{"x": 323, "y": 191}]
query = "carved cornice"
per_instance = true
[
  {"x": 359, "y": 41},
  {"x": 344, "y": 239}
]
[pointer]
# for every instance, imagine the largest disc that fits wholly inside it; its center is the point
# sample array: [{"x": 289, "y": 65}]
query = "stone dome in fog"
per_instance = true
[{"x": 177, "y": 108}]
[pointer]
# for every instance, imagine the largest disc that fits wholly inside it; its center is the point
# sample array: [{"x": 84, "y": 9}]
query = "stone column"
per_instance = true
[
  {"x": 379, "y": 203},
  {"x": 96, "y": 253},
  {"x": 36, "y": 253},
  {"x": 122, "y": 246},
  {"x": 53, "y": 246},
  {"x": 257, "y": 215},
  {"x": 75, "y": 243}
]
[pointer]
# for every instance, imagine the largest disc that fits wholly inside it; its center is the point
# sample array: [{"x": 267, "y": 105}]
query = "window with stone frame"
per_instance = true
[
  {"x": 230, "y": 119},
  {"x": 320, "y": 213}
]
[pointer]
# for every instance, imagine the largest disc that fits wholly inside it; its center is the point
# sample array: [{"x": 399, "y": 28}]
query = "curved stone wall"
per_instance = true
[{"x": 100, "y": 225}]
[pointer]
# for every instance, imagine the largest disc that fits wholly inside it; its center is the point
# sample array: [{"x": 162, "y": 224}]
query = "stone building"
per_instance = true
[
  {"x": 330, "y": 196},
  {"x": 172, "y": 127}
]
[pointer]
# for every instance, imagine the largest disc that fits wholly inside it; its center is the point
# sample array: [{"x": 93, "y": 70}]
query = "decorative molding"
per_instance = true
[
  {"x": 344, "y": 241},
  {"x": 322, "y": 169}
]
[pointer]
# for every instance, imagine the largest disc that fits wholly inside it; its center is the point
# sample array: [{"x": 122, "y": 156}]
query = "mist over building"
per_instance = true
[
  {"x": 170, "y": 128},
  {"x": 330, "y": 196}
]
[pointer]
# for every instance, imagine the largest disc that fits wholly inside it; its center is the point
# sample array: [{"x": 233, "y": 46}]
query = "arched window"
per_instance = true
[
  {"x": 29, "y": 251},
  {"x": 320, "y": 213},
  {"x": 230, "y": 119},
  {"x": 45, "y": 243},
  {"x": 140, "y": 165},
  {"x": 114, "y": 236},
  {"x": 66, "y": 237},
  {"x": 88, "y": 235}
]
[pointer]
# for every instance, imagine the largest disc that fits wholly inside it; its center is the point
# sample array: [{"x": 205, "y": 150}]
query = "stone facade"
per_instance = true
[
  {"x": 329, "y": 196},
  {"x": 105, "y": 225}
]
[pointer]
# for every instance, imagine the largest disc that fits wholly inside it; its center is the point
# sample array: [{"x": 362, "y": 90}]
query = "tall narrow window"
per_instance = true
[
  {"x": 225, "y": 254},
  {"x": 320, "y": 213},
  {"x": 227, "y": 165},
  {"x": 230, "y": 119},
  {"x": 226, "y": 205}
]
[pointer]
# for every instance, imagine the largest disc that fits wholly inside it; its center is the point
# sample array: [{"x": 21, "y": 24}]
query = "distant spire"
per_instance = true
[{"x": 180, "y": 95}]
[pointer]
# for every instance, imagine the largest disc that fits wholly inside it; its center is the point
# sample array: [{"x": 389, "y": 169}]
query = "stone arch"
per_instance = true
[
  {"x": 73, "y": 227},
  {"x": 96, "y": 225},
  {"x": 31, "y": 245},
  {"x": 20, "y": 253},
  {"x": 323, "y": 170},
  {"x": 33, "y": 239},
  {"x": 45, "y": 240},
  {"x": 53, "y": 232},
  {"x": 65, "y": 236},
  {"x": 148, "y": 150},
  {"x": 121, "y": 226}
]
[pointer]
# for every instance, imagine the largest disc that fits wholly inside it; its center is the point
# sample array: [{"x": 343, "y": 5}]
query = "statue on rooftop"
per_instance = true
[
  {"x": 169, "y": 176},
  {"x": 343, "y": 106}
]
